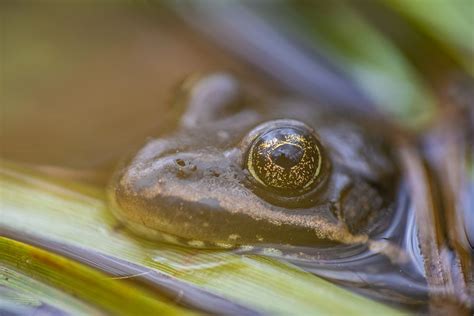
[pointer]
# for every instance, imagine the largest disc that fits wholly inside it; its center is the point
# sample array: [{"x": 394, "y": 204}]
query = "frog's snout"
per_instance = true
[
  {"x": 180, "y": 194},
  {"x": 184, "y": 169}
]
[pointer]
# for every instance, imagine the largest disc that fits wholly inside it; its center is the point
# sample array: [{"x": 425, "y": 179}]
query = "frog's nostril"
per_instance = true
[
  {"x": 180, "y": 162},
  {"x": 215, "y": 173},
  {"x": 184, "y": 168}
]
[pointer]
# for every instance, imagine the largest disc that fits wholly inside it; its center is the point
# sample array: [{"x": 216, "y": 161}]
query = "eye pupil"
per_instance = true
[{"x": 287, "y": 155}]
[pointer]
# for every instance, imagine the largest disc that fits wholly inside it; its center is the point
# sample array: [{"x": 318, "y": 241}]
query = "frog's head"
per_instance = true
[{"x": 251, "y": 178}]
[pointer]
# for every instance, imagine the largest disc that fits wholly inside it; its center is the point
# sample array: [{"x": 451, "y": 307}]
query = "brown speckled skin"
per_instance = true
[{"x": 194, "y": 184}]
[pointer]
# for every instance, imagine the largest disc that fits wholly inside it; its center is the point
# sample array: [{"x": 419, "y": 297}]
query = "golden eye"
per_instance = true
[{"x": 286, "y": 159}]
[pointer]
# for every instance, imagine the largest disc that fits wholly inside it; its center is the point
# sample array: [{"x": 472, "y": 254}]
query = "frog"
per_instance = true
[{"x": 246, "y": 167}]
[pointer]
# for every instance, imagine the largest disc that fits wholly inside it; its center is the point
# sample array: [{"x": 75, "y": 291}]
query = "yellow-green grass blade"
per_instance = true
[
  {"x": 38, "y": 207},
  {"x": 375, "y": 63},
  {"x": 451, "y": 23},
  {"x": 21, "y": 293},
  {"x": 77, "y": 280}
]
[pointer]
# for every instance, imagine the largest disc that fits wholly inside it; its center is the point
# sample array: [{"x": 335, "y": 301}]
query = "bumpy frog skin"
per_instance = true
[{"x": 194, "y": 186}]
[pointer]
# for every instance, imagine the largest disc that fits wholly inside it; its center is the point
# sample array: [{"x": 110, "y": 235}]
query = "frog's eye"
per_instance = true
[{"x": 286, "y": 158}]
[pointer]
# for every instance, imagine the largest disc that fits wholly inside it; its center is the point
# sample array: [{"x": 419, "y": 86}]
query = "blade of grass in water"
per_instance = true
[
  {"x": 76, "y": 280},
  {"x": 42, "y": 208},
  {"x": 24, "y": 295}
]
